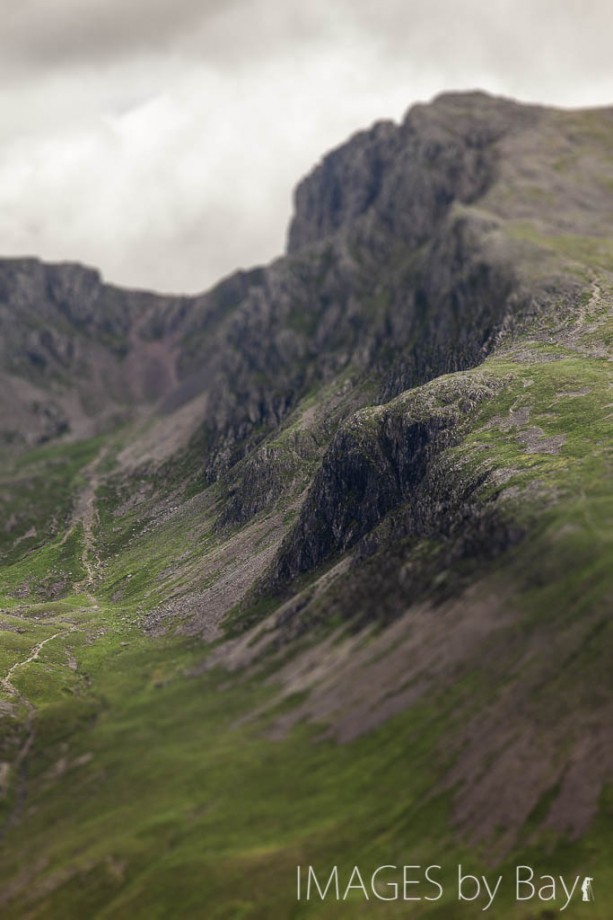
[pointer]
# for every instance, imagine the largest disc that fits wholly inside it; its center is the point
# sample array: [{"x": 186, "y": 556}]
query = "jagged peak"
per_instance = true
[{"x": 425, "y": 161}]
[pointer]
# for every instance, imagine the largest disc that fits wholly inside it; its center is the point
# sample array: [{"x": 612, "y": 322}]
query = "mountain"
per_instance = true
[{"x": 315, "y": 568}]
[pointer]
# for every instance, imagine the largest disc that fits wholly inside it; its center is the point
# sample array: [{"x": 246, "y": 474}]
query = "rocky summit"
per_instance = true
[{"x": 316, "y": 568}]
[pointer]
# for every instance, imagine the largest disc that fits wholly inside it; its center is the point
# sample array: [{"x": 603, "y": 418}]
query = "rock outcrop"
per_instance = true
[{"x": 382, "y": 458}]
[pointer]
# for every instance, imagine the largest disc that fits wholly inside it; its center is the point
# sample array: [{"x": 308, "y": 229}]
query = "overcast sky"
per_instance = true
[{"x": 160, "y": 140}]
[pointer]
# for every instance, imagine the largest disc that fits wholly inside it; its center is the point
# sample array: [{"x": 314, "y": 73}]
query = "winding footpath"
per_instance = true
[{"x": 86, "y": 515}]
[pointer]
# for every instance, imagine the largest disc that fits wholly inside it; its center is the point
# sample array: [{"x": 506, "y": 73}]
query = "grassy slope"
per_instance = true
[{"x": 143, "y": 791}]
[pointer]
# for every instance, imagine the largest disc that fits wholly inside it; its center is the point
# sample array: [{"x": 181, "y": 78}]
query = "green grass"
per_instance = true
[
  {"x": 569, "y": 490},
  {"x": 593, "y": 251},
  {"x": 50, "y": 570},
  {"x": 222, "y": 814}
]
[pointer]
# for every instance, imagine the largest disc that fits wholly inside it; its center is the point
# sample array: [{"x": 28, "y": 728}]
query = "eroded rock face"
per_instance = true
[
  {"x": 406, "y": 176},
  {"x": 72, "y": 357},
  {"x": 385, "y": 273},
  {"x": 380, "y": 459},
  {"x": 344, "y": 186}
]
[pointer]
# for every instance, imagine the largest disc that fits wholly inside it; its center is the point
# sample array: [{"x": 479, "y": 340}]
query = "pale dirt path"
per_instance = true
[
  {"x": 6, "y": 681},
  {"x": 86, "y": 514},
  {"x": 585, "y": 309},
  {"x": 583, "y": 332},
  {"x": 18, "y": 765},
  {"x": 591, "y": 315}
]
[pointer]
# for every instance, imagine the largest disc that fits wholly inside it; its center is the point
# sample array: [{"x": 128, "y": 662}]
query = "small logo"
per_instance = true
[{"x": 586, "y": 889}]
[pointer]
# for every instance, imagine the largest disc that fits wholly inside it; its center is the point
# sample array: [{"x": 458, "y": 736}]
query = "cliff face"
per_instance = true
[
  {"x": 406, "y": 177},
  {"x": 382, "y": 458},
  {"x": 73, "y": 359},
  {"x": 377, "y": 273},
  {"x": 381, "y": 263}
]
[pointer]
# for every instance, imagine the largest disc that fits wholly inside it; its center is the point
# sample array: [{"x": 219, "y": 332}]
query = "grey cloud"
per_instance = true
[
  {"x": 548, "y": 43},
  {"x": 514, "y": 39},
  {"x": 40, "y": 33}
]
